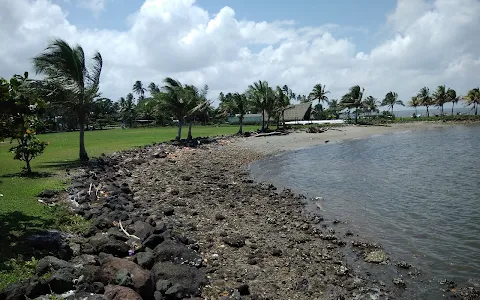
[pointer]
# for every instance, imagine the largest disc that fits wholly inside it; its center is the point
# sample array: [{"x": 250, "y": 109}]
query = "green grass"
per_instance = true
[{"x": 20, "y": 212}]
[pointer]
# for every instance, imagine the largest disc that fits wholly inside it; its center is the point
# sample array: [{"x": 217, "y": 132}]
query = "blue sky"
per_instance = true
[{"x": 381, "y": 45}]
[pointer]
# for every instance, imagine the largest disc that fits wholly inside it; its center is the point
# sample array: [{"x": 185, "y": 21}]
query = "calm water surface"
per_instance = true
[{"x": 415, "y": 193}]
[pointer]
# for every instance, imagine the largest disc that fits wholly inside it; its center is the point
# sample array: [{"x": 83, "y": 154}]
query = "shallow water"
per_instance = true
[{"x": 415, "y": 193}]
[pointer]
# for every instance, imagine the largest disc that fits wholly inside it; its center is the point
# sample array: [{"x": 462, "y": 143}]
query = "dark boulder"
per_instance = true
[
  {"x": 108, "y": 244},
  {"x": 51, "y": 263},
  {"x": 235, "y": 241},
  {"x": 142, "y": 230},
  {"x": 178, "y": 253},
  {"x": 188, "y": 279},
  {"x": 144, "y": 259},
  {"x": 153, "y": 240},
  {"x": 62, "y": 281},
  {"x": 95, "y": 288},
  {"x": 85, "y": 296},
  {"x": 51, "y": 242}
]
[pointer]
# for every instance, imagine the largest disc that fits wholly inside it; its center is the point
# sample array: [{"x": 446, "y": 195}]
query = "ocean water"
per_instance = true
[{"x": 416, "y": 193}]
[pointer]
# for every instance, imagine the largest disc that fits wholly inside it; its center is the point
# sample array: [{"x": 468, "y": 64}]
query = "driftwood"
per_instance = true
[
  {"x": 271, "y": 134},
  {"x": 124, "y": 231}
]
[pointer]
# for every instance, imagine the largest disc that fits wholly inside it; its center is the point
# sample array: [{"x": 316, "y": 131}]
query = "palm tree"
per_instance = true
[
  {"x": 153, "y": 88},
  {"x": 302, "y": 98},
  {"x": 139, "y": 90},
  {"x": 425, "y": 98},
  {"x": 319, "y": 93},
  {"x": 353, "y": 99},
  {"x": 182, "y": 101},
  {"x": 473, "y": 98},
  {"x": 238, "y": 105},
  {"x": 288, "y": 92},
  {"x": 282, "y": 101},
  {"x": 334, "y": 107},
  {"x": 258, "y": 94},
  {"x": 414, "y": 102},
  {"x": 452, "y": 97},
  {"x": 127, "y": 109},
  {"x": 66, "y": 72},
  {"x": 370, "y": 105},
  {"x": 440, "y": 97},
  {"x": 391, "y": 98}
]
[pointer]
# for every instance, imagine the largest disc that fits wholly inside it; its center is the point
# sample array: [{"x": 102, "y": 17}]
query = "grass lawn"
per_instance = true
[{"x": 20, "y": 212}]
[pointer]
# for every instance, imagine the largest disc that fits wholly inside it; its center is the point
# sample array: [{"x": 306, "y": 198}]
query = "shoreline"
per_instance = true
[
  {"x": 296, "y": 140},
  {"x": 198, "y": 225}
]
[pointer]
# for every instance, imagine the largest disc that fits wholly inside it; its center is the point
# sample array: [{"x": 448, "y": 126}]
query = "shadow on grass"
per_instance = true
[
  {"x": 61, "y": 165},
  {"x": 15, "y": 227},
  {"x": 33, "y": 175}
]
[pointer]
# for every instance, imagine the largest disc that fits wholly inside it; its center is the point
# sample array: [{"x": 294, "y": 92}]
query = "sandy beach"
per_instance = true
[{"x": 301, "y": 139}]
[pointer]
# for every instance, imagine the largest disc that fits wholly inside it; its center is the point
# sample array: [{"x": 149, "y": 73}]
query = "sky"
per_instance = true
[{"x": 381, "y": 45}]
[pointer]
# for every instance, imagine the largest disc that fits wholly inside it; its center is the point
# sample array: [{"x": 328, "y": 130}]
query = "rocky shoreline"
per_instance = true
[{"x": 174, "y": 222}]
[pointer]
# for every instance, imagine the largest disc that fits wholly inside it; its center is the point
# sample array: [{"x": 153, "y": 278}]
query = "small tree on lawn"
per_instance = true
[{"x": 18, "y": 118}]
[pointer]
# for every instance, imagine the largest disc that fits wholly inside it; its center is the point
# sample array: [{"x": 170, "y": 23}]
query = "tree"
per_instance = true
[
  {"x": 391, "y": 98},
  {"x": 67, "y": 74},
  {"x": 353, "y": 99},
  {"x": 238, "y": 105},
  {"x": 425, "y": 98},
  {"x": 19, "y": 106},
  {"x": 334, "y": 108},
  {"x": 282, "y": 101},
  {"x": 127, "y": 110},
  {"x": 139, "y": 89},
  {"x": 440, "y": 97},
  {"x": 288, "y": 92},
  {"x": 473, "y": 98},
  {"x": 319, "y": 93},
  {"x": 452, "y": 97},
  {"x": 414, "y": 102},
  {"x": 370, "y": 105},
  {"x": 181, "y": 102},
  {"x": 302, "y": 98},
  {"x": 103, "y": 112},
  {"x": 153, "y": 88},
  {"x": 258, "y": 95}
]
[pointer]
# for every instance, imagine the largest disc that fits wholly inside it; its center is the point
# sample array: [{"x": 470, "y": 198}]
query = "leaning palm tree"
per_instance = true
[
  {"x": 370, "y": 105},
  {"x": 319, "y": 93},
  {"x": 440, "y": 97},
  {"x": 353, "y": 99},
  {"x": 452, "y": 97},
  {"x": 67, "y": 73},
  {"x": 414, "y": 102},
  {"x": 139, "y": 89},
  {"x": 282, "y": 101},
  {"x": 425, "y": 98},
  {"x": 473, "y": 98},
  {"x": 238, "y": 105},
  {"x": 391, "y": 98},
  {"x": 153, "y": 88}
]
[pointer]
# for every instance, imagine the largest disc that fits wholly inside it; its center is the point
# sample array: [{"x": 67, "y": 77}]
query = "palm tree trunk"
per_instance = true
[
  {"x": 263, "y": 120},
  {"x": 428, "y": 113},
  {"x": 81, "y": 123},
  {"x": 441, "y": 109},
  {"x": 476, "y": 108},
  {"x": 189, "y": 136},
  {"x": 415, "y": 111},
  {"x": 283, "y": 118},
  {"x": 453, "y": 104},
  {"x": 179, "y": 133},
  {"x": 240, "y": 131}
]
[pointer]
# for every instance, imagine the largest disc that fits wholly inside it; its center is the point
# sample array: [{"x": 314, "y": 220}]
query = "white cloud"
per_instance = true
[
  {"x": 431, "y": 43},
  {"x": 96, "y": 6}
]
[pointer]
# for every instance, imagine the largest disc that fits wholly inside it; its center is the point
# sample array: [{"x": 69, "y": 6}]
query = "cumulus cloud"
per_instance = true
[
  {"x": 96, "y": 6},
  {"x": 430, "y": 43}
]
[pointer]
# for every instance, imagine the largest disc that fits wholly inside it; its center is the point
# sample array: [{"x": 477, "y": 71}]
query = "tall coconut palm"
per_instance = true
[
  {"x": 353, "y": 99},
  {"x": 282, "y": 101},
  {"x": 153, "y": 88},
  {"x": 319, "y": 93},
  {"x": 334, "y": 107},
  {"x": 238, "y": 105},
  {"x": 414, "y": 102},
  {"x": 66, "y": 72},
  {"x": 139, "y": 89},
  {"x": 288, "y": 92},
  {"x": 182, "y": 101},
  {"x": 391, "y": 98},
  {"x": 452, "y": 97},
  {"x": 425, "y": 98},
  {"x": 440, "y": 97},
  {"x": 258, "y": 94},
  {"x": 370, "y": 105},
  {"x": 473, "y": 98}
]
